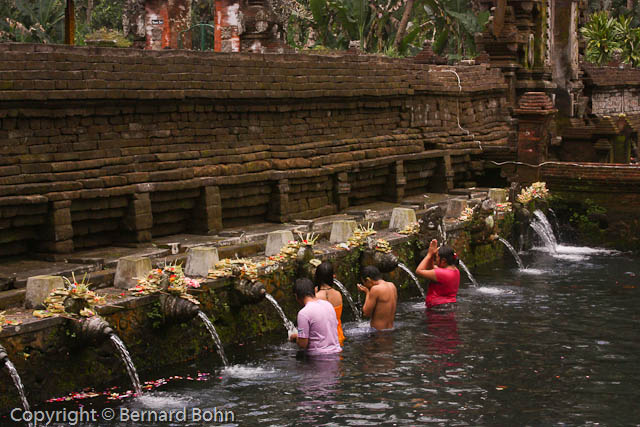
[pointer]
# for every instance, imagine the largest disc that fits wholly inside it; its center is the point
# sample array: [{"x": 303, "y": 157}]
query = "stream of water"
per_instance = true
[
  {"x": 214, "y": 336},
  {"x": 18, "y": 384},
  {"x": 285, "y": 321},
  {"x": 469, "y": 275},
  {"x": 414, "y": 278},
  {"x": 513, "y": 252},
  {"x": 126, "y": 358},
  {"x": 347, "y": 295}
]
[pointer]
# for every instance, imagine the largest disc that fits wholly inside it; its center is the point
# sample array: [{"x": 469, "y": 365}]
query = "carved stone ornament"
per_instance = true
[{"x": 225, "y": 33}]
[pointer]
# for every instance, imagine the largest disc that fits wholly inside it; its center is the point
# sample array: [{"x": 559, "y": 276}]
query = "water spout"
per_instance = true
[
  {"x": 286, "y": 322},
  {"x": 178, "y": 309},
  {"x": 93, "y": 328},
  {"x": 347, "y": 295},
  {"x": 214, "y": 336},
  {"x": 513, "y": 252},
  {"x": 469, "y": 275},
  {"x": 413, "y": 277},
  {"x": 126, "y": 358},
  {"x": 247, "y": 291}
]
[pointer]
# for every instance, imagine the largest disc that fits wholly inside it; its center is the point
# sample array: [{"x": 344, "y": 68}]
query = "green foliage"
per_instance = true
[
  {"x": 333, "y": 24},
  {"x": 628, "y": 39},
  {"x": 615, "y": 8},
  {"x": 155, "y": 316},
  {"x": 607, "y": 36},
  {"x": 454, "y": 27},
  {"x": 600, "y": 35},
  {"x": 107, "y": 14},
  {"x": 32, "y": 21},
  {"x": 586, "y": 221}
]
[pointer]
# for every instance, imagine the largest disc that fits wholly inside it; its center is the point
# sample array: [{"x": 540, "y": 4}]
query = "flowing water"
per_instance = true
[
  {"x": 558, "y": 348},
  {"x": 347, "y": 295},
  {"x": 469, "y": 275},
  {"x": 547, "y": 238},
  {"x": 554, "y": 221},
  {"x": 18, "y": 383},
  {"x": 286, "y": 322},
  {"x": 443, "y": 232},
  {"x": 542, "y": 227},
  {"x": 214, "y": 335},
  {"x": 126, "y": 358},
  {"x": 513, "y": 252},
  {"x": 413, "y": 277}
]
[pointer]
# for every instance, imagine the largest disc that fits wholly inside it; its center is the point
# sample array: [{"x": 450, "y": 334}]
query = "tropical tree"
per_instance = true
[{"x": 383, "y": 26}]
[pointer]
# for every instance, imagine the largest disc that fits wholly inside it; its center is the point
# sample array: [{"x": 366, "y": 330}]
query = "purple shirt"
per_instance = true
[{"x": 317, "y": 322}]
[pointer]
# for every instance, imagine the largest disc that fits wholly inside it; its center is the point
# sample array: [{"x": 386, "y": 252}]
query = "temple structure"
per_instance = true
[
  {"x": 239, "y": 25},
  {"x": 102, "y": 144}
]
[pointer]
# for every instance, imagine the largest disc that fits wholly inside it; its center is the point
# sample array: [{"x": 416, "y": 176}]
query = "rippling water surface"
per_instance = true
[{"x": 555, "y": 345}]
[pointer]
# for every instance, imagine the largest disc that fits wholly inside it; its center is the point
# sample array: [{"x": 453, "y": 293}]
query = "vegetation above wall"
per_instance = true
[
  {"x": 609, "y": 38},
  {"x": 392, "y": 28}
]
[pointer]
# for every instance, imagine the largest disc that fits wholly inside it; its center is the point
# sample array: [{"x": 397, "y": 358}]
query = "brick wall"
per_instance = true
[{"x": 99, "y": 145}]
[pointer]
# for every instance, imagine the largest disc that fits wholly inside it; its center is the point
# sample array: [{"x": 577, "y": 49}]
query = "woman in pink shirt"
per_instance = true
[{"x": 440, "y": 266}]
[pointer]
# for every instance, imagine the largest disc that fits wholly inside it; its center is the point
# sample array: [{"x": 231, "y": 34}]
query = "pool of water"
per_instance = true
[{"x": 555, "y": 344}]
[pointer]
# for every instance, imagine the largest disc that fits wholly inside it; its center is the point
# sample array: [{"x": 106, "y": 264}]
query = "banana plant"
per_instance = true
[
  {"x": 322, "y": 19},
  {"x": 354, "y": 16},
  {"x": 454, "y": 26}
]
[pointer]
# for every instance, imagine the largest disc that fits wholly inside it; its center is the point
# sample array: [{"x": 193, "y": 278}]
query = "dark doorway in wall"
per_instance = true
[{"x": 492, "y": 178}]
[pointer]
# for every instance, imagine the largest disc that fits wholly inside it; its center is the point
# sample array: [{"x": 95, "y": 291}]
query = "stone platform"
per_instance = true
[{"x": 99, "y": 264}]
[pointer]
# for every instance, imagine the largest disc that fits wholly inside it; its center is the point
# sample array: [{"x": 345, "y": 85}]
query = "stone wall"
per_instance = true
[
  {"x": 615, "y": 101},
  {"x": 53, "y": 362},
  {"x": 613, "y": 90},
  {"x": 611, "y": 192},
  {"x": 102, "y": 145}
]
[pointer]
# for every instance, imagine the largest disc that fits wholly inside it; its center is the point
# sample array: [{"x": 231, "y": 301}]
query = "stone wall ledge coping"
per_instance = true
[{"x": 32, "y": 325}]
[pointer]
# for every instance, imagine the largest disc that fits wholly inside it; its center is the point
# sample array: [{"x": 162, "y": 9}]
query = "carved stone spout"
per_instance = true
[
  {"x": 431, "y": 219},
  {"x": 178, "y": 309},
  {"x": 3, "y": 355},
  {"x": 93, "y": 328},
  {"x": 250, "y": 292},
  {"x": 386, "y": 262}
]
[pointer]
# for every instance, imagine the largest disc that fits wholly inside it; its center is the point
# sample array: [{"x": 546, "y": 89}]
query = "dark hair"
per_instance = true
[
  {"x": 448, "y": 254},
  {"x": 371, "y": 272},
  {"x": 324, "y": 274},
  {"x": 304, "y": 288}
]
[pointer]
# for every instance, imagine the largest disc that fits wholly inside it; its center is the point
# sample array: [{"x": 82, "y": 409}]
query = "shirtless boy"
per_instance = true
[{"x": 381, "y": 298}]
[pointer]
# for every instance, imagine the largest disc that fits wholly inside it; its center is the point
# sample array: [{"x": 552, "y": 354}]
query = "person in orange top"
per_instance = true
[{"x": 324, "y": 290}]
